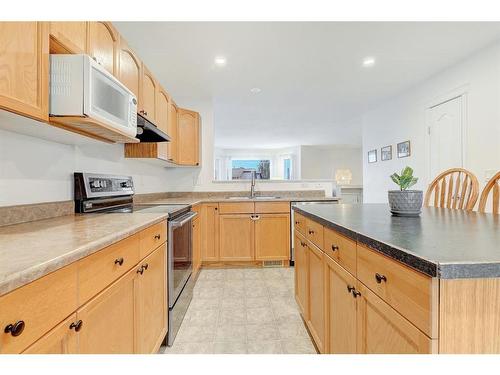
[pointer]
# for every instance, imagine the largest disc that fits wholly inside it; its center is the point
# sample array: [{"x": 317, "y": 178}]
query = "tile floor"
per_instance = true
[{"x": 243, "y": 311}]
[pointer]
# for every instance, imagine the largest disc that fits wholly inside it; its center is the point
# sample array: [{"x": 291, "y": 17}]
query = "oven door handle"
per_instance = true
[{"x": 183, "y": 219}]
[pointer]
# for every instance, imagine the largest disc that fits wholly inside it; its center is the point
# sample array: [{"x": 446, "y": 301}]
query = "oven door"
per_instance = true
[
  {"x": 180, "y": 255},
  {"x": 108, "y": 100}
]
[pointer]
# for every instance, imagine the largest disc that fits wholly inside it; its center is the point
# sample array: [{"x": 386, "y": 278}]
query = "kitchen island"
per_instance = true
[{"x": 368, "y": 282}]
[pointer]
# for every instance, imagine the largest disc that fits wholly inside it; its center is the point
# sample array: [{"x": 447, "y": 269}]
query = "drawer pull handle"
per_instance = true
[
  {"x": 350, "y": 288},
  {"x": 141, "y": 270},
  {"x": 119, "y": 261},
  {"x": 356, "y": 293},
  {"x": 157, "y": 237},
  {"x": 76, "y": 326},
  {"x": 334, "y": 247},
  {"x": 380, "y": 278},
  {"x": 15, "y": 329}
]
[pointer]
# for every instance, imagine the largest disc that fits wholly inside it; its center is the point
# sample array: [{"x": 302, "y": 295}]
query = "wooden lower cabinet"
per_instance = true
[
  {"x": 60, "y": 340},
  {"x": 301, "y": 271},
  {"x": 236, "y": 237},
  {"x": 210, "y": 232},
  {"x": 382, "y": 330},
  {"x": 108, "y": 319},
  {"x": 340, "y": 313},
  {"x": 316, "y": 299},
  {"x": 272, "y": 237},
  {"x": 151, "y": 302}
]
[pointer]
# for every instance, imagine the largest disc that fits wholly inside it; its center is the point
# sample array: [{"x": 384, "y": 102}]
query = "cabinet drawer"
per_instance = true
[
  {"x": 236, "y": 208},
  {"x": 98, "y": 270},
  {"x": 41, "y": 305},
  {"x": 299, "y": 223},
  {"x": 314, "y": 233},
  {"x": 151, "y": 238},
  {"x": 341, "y": 249},
  {"x": 272, "y": 207},
  {"x": 413, "y": 294}
]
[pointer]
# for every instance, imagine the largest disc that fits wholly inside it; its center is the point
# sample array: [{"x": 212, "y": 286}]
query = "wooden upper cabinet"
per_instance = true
[
  {"x": 301, "y": 272},
  {"x": 151, "y": 302},
  {"x": 272, "y": 237},
  {"x": 381, "y": 330},
  {"x": 172, "y": 131},
  {"x": 68, "y": 37},
  {"x": 162, "y": 112},
  {"x": 60, "y": 340},
  {"x": 24, "y": 68},
  {"x": 316, "y": 298},
  {"x": 103, "y": 45},
  {"x": 129, "y": 68},
  {"x": 147, "y": 97},
  {"x": 236, "y": 237},
  {"x": 340, "y": 309},
  {"x": 188, "y": 137}
]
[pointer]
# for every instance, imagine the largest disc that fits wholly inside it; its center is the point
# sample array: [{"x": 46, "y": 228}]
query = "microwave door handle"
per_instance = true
[{"x": 183, "y": 220}]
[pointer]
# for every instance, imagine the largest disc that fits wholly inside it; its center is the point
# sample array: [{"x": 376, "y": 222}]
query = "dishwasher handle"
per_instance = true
[{"x": 183, "y": 219}]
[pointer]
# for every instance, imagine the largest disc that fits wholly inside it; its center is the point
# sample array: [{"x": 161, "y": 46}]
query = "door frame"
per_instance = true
[{"x": 461, "y": 92}]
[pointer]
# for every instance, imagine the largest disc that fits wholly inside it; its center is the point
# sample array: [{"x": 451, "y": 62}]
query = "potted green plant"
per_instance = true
[{"x": 404, "y": 202}]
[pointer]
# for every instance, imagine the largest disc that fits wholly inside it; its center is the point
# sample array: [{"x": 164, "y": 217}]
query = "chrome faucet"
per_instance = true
[{"x": 252, "y": 187}]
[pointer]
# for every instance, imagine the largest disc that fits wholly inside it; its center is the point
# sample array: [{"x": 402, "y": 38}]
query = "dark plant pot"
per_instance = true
[{"x": 406, "y": 202}]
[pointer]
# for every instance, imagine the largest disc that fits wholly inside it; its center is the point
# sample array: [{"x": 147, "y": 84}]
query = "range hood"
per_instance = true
[{"x": 149, "y": 132}]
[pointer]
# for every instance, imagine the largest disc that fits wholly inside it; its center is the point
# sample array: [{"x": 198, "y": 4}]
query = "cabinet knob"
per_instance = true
[
  {"x": 356, "y": 293},
  {"x": 303, "y": 244},
  {"x": 334, "y": 247},
  {"x": 297, "y": 222},
  {"x": 157, "y": 236},
  {"x": 15, "y": 329},
  {"x": 350, "y": 288},
  {"x": 119, "y": 261},
  {"x": 76, "y": 326},
  {"x": 145, "y": 266},
  {"x": 380, "y": 278},
  {"x": 140, "y": 270},
  {"x": 311, "y": 231}
]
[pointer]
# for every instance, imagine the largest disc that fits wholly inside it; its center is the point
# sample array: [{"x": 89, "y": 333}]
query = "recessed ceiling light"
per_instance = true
[
  {"x": 255, "y": 90},
  {"x": 220, "y": 61},
  {"x": 368, "y": 61}
]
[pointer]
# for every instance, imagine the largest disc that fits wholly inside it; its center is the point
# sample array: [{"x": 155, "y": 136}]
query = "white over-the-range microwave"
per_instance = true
[{"x": 79, "y": 86}]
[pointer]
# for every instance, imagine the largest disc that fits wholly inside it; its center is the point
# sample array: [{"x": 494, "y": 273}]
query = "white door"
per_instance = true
[{"x": 445, "y": 136}]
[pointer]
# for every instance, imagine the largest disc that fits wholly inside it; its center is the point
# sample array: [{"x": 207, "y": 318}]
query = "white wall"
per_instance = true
[
  {"x": 404, "y": 118},
  {"x": 321, "y": 162}
]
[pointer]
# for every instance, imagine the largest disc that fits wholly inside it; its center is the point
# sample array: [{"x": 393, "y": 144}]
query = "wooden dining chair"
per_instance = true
[
  {"x": 493, "y": 185},
  {"x": 455, "y": 188}
]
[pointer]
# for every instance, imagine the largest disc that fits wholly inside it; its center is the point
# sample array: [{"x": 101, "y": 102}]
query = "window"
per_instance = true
[
  {"x": 243, "y": 169},
  {"x": 287, "y": 169}
]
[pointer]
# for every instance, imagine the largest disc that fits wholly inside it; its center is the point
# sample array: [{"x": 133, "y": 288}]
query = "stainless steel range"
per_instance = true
[{"x": 96, "y": 193}]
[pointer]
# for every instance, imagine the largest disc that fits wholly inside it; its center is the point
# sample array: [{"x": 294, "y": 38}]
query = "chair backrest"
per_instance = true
[
  {"x": 492, "y": 185},
  {"x": 455, "y": 188}
]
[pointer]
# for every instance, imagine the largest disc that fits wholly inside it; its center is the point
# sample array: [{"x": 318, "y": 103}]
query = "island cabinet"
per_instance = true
[
  {"x": 315, "y": 296},
  {"x": 301, "y": 275},
  {"x": 113, "y": 301},
  {"x": 24, "y": 76}
]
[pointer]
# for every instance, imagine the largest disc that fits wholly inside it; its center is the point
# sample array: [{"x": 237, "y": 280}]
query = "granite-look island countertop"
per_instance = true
[
  {"x": 31, "y": 250},
  {"x": 444, "y": 243}
]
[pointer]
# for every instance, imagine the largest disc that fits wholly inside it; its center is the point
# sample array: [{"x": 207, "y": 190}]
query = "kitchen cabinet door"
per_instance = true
[
  {"x": 272, "y": 237},
  {"x": 108, "y": 320},
  {"x": 162, "y": 112},
  {"x": 210, "y": 233},
  {"x": 24, "y": 68},
  {"x": 236, "y": 237},
  {"x": 129, "y": 68},
  {"x": 188, "y": 137},
  {"x": 103, "y": 42},
  {"x": 151, "y": 302},
  {"x": 301, "y": 274},
  {"x": 340, "y": 309},
  {"x": 147, "y": 97},
  {"x": 382, "y": 330},
  {"x": 68, "y": 37},
  {"x": 197, "y": 222},
  {"x": 316, "y": 297},
  {"x": 60, "y": 340},
  {"x": 172, "y": 131}
]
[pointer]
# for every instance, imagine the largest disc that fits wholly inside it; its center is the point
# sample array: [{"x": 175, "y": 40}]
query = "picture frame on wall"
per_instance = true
[
  {"x": 404, "y": 149},
  {"x": 372, "y": 156},
  {"x": 386, "y": 153}
]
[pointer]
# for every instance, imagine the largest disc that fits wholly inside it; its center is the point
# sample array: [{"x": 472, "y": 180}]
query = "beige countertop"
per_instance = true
[
  {"x": 194, "y": 201},
  {"x": 31, "y": 250}
]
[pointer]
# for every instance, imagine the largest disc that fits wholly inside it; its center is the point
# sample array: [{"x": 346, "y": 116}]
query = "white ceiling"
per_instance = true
[{"x": 311, "y": 75}]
